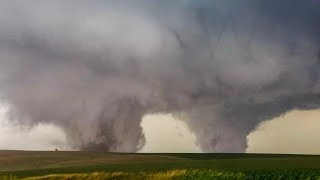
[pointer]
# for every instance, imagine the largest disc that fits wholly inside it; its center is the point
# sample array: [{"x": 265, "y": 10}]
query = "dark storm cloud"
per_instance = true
[{"x": 95, "y": 68}]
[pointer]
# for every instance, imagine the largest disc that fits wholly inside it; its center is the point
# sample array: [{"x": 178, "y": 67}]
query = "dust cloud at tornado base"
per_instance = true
[
  {"x": 269, "y": 137},
  {"x": 96, "y": 68}
]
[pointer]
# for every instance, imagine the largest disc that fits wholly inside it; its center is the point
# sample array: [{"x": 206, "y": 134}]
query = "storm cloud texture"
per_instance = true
[{"x": 95, "y": 68}]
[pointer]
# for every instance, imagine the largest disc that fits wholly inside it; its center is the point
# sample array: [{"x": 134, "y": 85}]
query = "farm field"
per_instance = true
[{"x": 87, "y": 165}]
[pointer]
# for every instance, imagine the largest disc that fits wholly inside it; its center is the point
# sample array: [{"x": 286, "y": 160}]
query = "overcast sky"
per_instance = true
[
  {"x": 296, "y": 132},
  {"x": 225, "y": 65}
]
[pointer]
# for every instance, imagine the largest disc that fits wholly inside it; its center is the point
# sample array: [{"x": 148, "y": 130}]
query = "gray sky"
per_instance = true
[
  {"x": 226, "y": 66},
  {"x": 296, "y": 132}
]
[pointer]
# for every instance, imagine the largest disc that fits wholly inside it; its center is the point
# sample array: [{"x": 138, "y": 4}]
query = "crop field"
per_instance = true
[{"x": 53, "y": 165}]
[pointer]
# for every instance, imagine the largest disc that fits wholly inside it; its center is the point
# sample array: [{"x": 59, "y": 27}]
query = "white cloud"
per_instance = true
[
  {"x": 166, "y": 134},
  {"x": 41, "y": 137},
  {"x": 296, "y": 132}
]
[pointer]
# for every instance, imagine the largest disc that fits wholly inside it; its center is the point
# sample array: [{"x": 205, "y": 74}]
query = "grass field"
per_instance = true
[{"x": 85, "y": 165}]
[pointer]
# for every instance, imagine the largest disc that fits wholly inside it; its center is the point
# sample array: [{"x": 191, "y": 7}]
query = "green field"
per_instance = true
[{"x": 23, "y": 164}]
